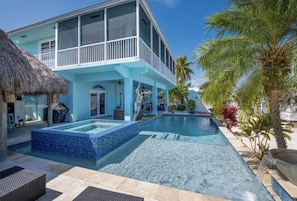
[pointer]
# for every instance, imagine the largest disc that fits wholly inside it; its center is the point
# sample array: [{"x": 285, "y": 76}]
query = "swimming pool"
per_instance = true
[
  {"x": 180, "y": 151},
  {"x": 185, "y": 152}
]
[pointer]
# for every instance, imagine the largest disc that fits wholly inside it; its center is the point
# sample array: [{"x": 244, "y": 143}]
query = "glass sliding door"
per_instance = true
[{"x": 97, "y": 103}]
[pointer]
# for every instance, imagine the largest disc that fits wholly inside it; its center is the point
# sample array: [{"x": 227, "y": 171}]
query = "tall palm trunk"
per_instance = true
[{"x": 275, "y": 117}]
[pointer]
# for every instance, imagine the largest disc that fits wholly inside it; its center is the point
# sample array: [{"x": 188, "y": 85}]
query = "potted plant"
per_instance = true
[
  {"x": 171, "y": 108},
  {"x": 191, "y": 106}
]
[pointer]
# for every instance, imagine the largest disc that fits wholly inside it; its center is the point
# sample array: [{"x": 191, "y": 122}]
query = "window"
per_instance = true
[
  {"x": 162, "y": 52},
  {"x": 171, "y": 64},
  {"x": 92, "y": 28},
  {"x": 144, "y": 27},
  {"x": 155, "y": 42},
  {"x": 167, "y": 58},
  {"x": 121, "y": 21},
  {"x": 68, "y": 35},
  {"x": 47, "y": 49}
]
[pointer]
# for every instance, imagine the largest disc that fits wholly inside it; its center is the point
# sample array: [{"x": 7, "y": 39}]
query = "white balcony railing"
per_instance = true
[
  {"x": 47, "y": 58},
  {"x": 92, "y": 53},
  {"x": 100, "y": 52},
  {"x": 67, "y": 57},
  {"x": 149, "y": 56},
  {"x": 121, "y": 49}
]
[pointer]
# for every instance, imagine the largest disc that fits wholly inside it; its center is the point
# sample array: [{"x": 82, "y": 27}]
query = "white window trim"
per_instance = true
[{"x": 44, "y": 41}]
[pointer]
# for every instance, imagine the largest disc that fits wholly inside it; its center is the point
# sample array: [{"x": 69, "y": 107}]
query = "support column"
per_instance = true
[
  {"x": 73, "y": 101},
  {"x": 3, "y": 128},
  {"x": 49, "y": 109},
  {"x": 166, "y": 101},
  {"x": 155, "y": 98},
  {"x": 128, "y": 98}
]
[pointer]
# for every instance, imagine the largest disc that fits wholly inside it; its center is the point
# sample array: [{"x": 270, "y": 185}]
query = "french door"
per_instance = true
[{"x": 97, "y": 103}]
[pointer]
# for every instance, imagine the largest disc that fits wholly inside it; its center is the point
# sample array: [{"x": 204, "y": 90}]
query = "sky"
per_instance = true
[{"x": 182, "y": 22}]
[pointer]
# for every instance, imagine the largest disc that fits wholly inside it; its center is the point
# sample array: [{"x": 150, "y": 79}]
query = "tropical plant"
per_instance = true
[
  {"x": 182, "y": 70},
  {"x": 171, "y": 108},
  {"x": 258, "y": 130},
  {"x": 192, "y": 105},
  {"x": 229, "y": 114},
  {"x": 178, "y": 96},
  {"x": 254, "y": 54}
]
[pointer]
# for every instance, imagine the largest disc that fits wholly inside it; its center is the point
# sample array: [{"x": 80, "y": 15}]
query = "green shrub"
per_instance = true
[
  {"x": 181, "y": 107},
  {"x": 171, "y": 108},
  {"x": 258, "y": 130},
  {"x": 192, "y": 104}
]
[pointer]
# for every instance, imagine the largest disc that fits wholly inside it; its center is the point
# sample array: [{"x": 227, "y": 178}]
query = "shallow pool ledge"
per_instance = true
[{"x": 83, "y": 145}]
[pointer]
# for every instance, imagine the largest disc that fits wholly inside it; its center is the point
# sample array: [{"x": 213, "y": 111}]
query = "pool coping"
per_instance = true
[{"x": 253, "y": 163}]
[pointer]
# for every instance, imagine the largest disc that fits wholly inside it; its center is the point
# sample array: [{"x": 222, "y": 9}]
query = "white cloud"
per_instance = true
[
  {"x": 169, "y": 3},
  {"x": 198, "y": 81}
]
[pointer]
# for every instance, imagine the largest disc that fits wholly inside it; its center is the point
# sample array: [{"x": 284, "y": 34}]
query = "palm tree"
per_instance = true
[
  {"x": 182, "y": 70},
  {"x": 179, "y": 95},
  {"x": 255, "y": 52}
]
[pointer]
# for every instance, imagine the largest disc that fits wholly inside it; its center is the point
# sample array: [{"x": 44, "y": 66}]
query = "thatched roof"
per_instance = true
[{"x": 24, "y": 73}]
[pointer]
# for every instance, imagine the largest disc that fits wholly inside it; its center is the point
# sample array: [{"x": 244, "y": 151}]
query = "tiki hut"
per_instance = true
[{"x": 21, "y": 73}]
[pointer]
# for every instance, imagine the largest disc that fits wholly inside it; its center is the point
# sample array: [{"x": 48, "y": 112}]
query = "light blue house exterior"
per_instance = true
[
  {"x": 103, "y": 52},
  {"x": 194, "y": 94}
]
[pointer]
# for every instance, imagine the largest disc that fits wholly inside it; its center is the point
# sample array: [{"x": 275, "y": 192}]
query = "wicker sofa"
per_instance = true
[{"x": 17, "y": 183}]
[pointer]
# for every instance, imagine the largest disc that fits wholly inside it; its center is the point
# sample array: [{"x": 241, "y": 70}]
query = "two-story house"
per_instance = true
[{"x": 104, "y": 52}]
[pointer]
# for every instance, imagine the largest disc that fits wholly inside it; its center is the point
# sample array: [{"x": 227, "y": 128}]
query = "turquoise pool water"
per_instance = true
[
  {"x": 184, "y": 152},
  {"x": 89, "y": 126},
  {"x": 189, "y": 153}
]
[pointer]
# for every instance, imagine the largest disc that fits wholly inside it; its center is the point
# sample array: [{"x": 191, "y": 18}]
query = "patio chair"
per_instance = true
[{"x": 96, "y": 194}]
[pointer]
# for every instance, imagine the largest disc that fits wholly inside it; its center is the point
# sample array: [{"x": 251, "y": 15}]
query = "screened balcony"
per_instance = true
[
  {"x": 112, "y": 51},
  {"x": 117, "y": 34}
]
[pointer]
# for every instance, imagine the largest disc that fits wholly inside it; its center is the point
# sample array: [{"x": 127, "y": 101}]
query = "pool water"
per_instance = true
[
  {"x": 92, "y": 127},
  {"x": 188, "y": 153},
  {"x": 184, "y": 152},
  {"x": 184, "y": 128}
]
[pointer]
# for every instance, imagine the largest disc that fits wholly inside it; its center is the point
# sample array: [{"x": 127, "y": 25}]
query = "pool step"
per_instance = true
[{"x": 160, "y": 135}]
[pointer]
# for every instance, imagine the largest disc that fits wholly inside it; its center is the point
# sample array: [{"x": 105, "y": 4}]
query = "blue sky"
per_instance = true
[{"x": 181, "y": 21}]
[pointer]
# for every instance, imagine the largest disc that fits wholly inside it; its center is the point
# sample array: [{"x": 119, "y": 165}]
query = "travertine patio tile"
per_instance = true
[
  {"x": 185, "y": 195},
  {"x": 57, "y": 168},
  {"x": 109, "y": 181},
  {"x": 129, "y": 185},
  {"x": 167, "y": 194},
  {"x": 147, "y": 189},
  {"x": 64, "y": 183},
  {"x": 80, "y": 173}
]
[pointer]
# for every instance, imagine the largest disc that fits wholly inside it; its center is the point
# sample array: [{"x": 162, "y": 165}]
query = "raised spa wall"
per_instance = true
[{"x": 78, "y": 144}]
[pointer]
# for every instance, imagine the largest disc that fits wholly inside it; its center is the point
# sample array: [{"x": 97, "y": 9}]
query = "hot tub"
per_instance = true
[{"x": 89, "y": 139}]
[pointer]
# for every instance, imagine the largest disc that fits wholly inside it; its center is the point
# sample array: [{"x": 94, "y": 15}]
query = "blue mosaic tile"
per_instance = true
[
  {"x": 82, "y": 145},
  {"x": 278, "y": 189}
]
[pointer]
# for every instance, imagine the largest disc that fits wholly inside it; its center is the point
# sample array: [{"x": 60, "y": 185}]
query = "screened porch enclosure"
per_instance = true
[{"x": 109, "y": 34}]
